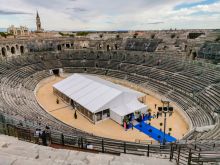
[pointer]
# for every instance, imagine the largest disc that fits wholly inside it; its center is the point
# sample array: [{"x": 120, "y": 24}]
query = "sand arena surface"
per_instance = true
[{"x": 107, "y": 128}]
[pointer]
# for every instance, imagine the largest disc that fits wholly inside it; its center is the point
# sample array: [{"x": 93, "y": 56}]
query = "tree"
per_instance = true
[
  {"x": 82, "y": 33},
  {"x": 5, "y": 35}
]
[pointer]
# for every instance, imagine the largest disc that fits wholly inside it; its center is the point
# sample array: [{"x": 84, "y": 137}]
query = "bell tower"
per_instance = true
[{"x": 38, "y": 23}]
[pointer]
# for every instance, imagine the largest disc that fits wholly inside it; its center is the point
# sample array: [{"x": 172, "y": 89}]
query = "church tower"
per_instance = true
[{"x": 38, "y": 23}]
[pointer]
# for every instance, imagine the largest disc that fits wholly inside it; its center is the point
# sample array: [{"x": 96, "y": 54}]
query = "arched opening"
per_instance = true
[
  {"x": 22, "y": 49},
  {"x": 13, "y": 50},
  {"x": 59, "y": 47},
  {"x": 67, "y": 45},
  {"x": 84, "y": 46},
  {"x": 116, "y": 47},
  {"x": 100, "y": 46},
  {"x": 194, "y": 55},
  {"x": 108, "y": 47},
  {"x": 185, "y": 47},
  {"x": 4, "y": 52},
  {"x": 42, "y": 58},
  {"x": 56, "y": 72}
]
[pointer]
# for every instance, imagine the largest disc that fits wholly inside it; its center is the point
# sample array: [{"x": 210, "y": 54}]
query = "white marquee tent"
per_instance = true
[{"x": 96, "y": 95}]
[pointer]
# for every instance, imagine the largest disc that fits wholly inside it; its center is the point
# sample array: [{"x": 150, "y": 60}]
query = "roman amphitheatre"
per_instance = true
[{"x": 161, "y": 88}]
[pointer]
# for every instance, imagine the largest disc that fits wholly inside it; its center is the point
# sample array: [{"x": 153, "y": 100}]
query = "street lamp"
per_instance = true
[{"x": 165, "y": 109}]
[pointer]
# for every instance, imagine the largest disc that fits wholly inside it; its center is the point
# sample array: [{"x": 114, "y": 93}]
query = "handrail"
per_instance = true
[{"x": 181, "y": 152}]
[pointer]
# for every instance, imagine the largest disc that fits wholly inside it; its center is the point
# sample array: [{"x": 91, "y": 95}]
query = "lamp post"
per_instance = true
[{"x": 165, "y": 109}]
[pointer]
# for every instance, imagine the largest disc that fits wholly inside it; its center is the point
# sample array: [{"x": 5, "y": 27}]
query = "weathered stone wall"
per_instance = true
[{"x": 167, "y": 42}]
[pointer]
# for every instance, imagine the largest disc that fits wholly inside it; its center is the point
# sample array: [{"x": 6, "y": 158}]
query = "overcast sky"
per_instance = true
[{"x": 111, "y": 14}]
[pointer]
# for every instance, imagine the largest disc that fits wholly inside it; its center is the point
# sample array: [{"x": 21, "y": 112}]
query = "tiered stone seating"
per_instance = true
[
  {"x": 139, "y": 44},
  {"x": 179, "y": 80},
  {"x": 18, "y": 97},
  {"x": 13, "y": 151},
  {"x": 210, "y": 50}
]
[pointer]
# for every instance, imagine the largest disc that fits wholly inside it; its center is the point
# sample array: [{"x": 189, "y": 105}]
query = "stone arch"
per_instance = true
[
  {"x": 194, "y": 55},
  {"x": 108, "y": 48},
  {"x": 4, "y": 52},
  {"x": 22, "y": 49},
  {"x": 8, "y": 48},
  {"x": 67, "y": 45},
  {"x": 17, "y": 47},
  {"x": 12, "y": 50},
  {"x": 99, "y": 46},
  {"x": 59, "y": 47}
]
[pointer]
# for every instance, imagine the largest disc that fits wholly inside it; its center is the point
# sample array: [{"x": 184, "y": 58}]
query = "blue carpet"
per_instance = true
[
  {"x": 144, "y": 119},
  {"x": 156, "y": 134}
]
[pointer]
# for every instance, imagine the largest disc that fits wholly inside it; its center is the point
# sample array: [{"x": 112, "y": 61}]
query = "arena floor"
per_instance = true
[{"x": 107, "y": 128}]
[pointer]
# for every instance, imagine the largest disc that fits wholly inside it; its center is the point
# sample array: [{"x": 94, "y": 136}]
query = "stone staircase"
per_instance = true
[{"x": 15, "y": 152}]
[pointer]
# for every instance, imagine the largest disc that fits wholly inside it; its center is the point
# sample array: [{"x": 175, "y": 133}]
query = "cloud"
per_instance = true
[
  {"x": 155, "y": 23},
  {"x": 77, "y": 9},
  {"x": 194, "y": 4},
  {"x": 10, "y": 12},
  {"x": 112, "y": 15}
]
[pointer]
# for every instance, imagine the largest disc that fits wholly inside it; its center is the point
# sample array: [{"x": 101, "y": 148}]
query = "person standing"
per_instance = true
[
  {"x": 48, "y": 134},
  {"x": 37, "y": 136},
  {"x": 75, "y": 115},
  {"x": 44, "y": 138},
  {"x": 125, "y": 126}
]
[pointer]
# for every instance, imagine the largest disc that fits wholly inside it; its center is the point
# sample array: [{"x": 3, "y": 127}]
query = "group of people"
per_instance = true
[
  {"x": 128, "y": 121},
  {"x": 44, "y": 135}
]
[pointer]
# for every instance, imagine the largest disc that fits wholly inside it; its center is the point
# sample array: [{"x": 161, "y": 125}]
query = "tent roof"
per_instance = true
[
  {"x": 96, "y": 94},
  {"x": 129, "y": 108}
]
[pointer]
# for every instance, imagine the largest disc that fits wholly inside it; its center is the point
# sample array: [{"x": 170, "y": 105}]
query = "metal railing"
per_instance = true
[{"x": 180, "y": 152}]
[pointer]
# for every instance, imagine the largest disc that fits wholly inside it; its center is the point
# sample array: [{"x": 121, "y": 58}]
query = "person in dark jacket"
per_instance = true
[
  {"x": 75, "y": 115},
  {"x": 44, "y": 138}
]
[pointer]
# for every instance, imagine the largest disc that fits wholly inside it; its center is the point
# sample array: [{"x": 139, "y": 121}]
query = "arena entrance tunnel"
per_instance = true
[{"x": 56, "y": 71}]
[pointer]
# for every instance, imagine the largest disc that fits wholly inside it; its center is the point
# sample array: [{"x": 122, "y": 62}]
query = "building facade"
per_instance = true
[{"x": 18, "y": 31}]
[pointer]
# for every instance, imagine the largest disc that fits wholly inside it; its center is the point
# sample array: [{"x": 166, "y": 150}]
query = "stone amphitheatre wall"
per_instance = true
[{"x": 175, "y": 42}]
